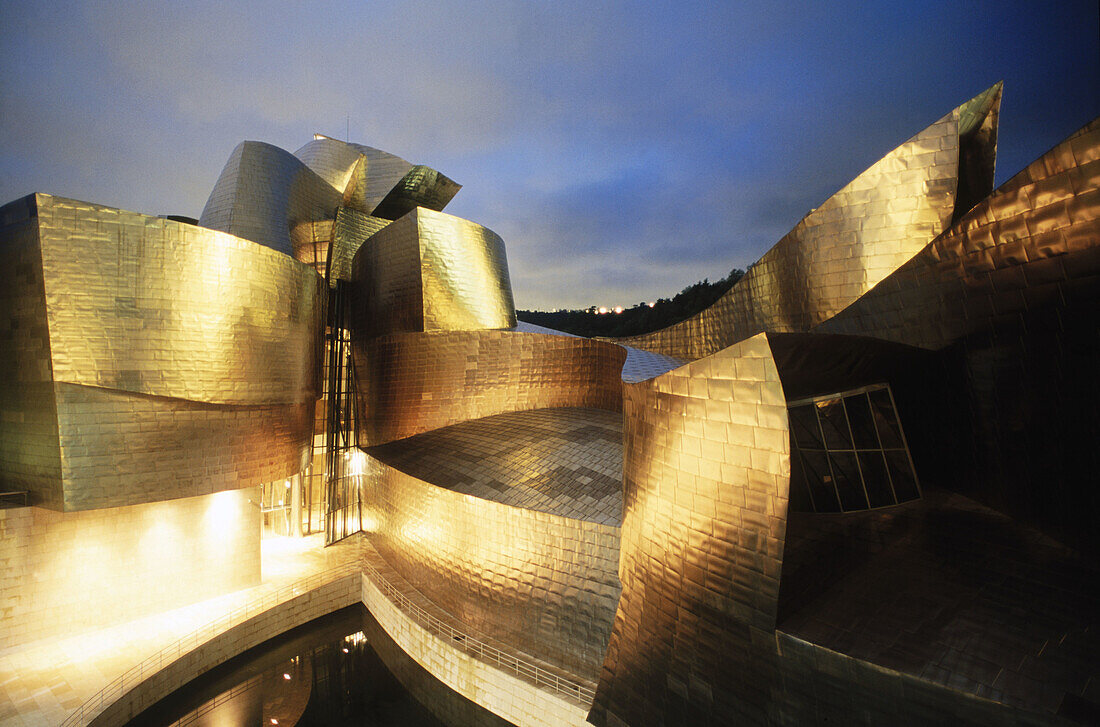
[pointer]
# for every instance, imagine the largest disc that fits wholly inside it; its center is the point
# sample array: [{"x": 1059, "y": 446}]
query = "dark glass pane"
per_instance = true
[
  {"x": 875, "y": 478},
  {"x": 889, "y": 430},
  {"x": 800, "y": 488},
  {"x": 804, "y": 427},
  {"x": 820, "y": 481},
  {"x": 848, "y": 484},
  {"x": 834, "y": 424},
  {"x": 905, "y": 481},
  {"x": 863, "y": 427}
]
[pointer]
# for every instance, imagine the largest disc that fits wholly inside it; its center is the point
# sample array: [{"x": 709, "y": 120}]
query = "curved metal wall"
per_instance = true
[
  {"x": 333, "y": 160},
  {"x": 541, "y": 583},
  {"x": 263, "y": 192},
  {"x": 350, "y": 231},
  {"x": 1007, "y": 299},
  {"x": 421, "y": 187},
  {"x": 363, "y": 175},
  {"x": 840, "y": 250},
  {"x": 414, "y": 382},
  {"x": 431, "y": 271},
  {"x": 178, "y": 360},
  {"x": 706, "y": 466},
  {"x": 1027, "y": 245}
]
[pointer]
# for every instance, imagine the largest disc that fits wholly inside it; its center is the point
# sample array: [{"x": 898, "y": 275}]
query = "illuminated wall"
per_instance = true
[
  {"x": 263, "y": 192},
  {"x": 706, "y": 464},
  {"x": 152, "y": 359},
  {"x": 431, "y": 271},
  {"x": 414, "y": 382},
  {"x": 362, "y": 174},
  {"x": 63, "y": 573},
  {"x": 542, "y": 583}
]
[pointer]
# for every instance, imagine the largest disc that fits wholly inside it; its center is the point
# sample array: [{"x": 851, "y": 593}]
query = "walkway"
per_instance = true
[{"x": 42, "y": 682}]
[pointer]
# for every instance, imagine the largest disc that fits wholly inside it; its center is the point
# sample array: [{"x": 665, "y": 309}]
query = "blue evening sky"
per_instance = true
[{"x": 622, "y": 150}]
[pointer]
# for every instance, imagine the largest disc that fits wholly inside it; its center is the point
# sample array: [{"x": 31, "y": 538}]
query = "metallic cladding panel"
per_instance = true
[
  {"x": 421, "y": 187},
  {"x": 29, "y": 450},
  {"x": 153, "y": 359},
  {"x": 119, "y": 448},
  {"x": 378, "y": 173},
  {"x": 310, "y": 242},
  {"x": 1025, "y": 246},
  {"x": 839, "y": 251},
  {"x": 263, "y": 192},
  {"x": 543, "y": 584},
  {"x": 706, "y": 465},
  {"x": 978, "y": 124},
  {"x": 156, "y": 307},
  {"x": 564, "y": 461},
  {"x": 334, "y": 161},
  {"x": 465, "y": 275},
  {"x": 430, "y": 271},
  {"x": 388, "y": 284},
  {"x": 349, "y": 231},
  {"x": 415, "y": 382}
]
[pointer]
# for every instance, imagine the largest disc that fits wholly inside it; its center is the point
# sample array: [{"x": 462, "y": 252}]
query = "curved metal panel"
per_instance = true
[
  {"x": 151, "y": 306},
  {"x": 119, "y": 448},
  {"x": 430, "y": 271},
  {"x": 349, "y": 231},
  {"x": 421, "y": 187},
  {"x": 263, "y": 192},
  {"x": 1024, "y": 247},
  {"x": 310, "y": 242},
  {"x": 414, "y": 382},
  {"x": 840, "y": 250},
  {"x": 333, "y": 160},
  {"x": 543, "y": 584},
  {"x": 706, "y": 465}
]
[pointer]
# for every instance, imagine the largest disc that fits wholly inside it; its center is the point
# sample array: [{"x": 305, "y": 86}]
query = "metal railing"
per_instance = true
[
  {"x": 477, "y": 648},
  {"x": 529, "y": 671},
  {"x": 227, "y": 696},
  {"x": 108, "y": 695}
]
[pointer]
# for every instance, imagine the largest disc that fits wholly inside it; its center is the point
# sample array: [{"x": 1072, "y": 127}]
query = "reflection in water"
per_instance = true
[{"x": 328, "y": 672}]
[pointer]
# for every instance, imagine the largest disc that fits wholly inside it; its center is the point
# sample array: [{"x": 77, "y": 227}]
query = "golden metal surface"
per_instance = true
[
  {"x": 706, "y": 464},
  {"x": 148, "y": 305},
  {"x": 421, "y": 187},
  {"x": 415, "y": 382},
  {"x": 842, "y": 249},
  {"x": 310, "y": 242},
  {"x": 264, "y": 192},
  {"x": 430, "y": 271},
  {"x": 362, "y": 174},
  {"x": 541, "y": 583},
  {"x": 151, "y": 359},
  {"x": 1027, "y": 245},
  {"x": 350, "y": 230},
  {"x": 564, "y": 461},
  {"x": 119, "y": 448}
]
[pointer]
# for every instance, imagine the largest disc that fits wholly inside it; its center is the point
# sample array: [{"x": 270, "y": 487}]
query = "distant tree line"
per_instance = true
[{"x": 639, "y": 319}]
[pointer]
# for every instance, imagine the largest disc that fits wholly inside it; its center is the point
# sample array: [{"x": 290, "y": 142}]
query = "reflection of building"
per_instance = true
[{"x": 856, "y": 489}]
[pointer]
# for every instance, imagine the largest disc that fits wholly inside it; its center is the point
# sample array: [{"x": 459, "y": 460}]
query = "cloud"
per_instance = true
[{"x": 622, "y": 149}]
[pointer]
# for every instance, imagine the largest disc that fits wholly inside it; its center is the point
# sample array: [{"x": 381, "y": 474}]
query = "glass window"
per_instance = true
[{"x": 851, "y": 451}]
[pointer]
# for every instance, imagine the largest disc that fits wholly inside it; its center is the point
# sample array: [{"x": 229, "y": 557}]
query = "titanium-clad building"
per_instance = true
[{"x": 857, "y": 489}]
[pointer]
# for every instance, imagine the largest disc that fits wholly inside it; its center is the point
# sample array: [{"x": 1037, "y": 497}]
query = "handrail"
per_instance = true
[
  {"x": 108, "y": 695},
  {"x": 529, "y": 671},
  {"x": 477, "y": 648}
]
